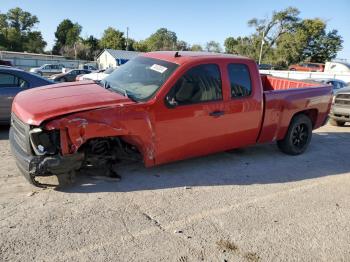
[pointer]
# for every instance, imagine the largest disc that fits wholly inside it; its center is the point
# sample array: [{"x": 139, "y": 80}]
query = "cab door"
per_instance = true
[{"x": 191, "y": 121}]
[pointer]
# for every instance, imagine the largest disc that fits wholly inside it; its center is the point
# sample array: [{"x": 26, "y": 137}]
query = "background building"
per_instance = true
[
  {"x": 26, "y": 61},
  {"x": 113, "y": 58}
]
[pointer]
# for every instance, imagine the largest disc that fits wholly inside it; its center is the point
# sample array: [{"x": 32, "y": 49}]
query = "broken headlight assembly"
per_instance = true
[{"x": 44, "y": 142}]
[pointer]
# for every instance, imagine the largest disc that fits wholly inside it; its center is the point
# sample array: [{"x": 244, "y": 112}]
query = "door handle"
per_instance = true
[{"x": 217, "y": 113}]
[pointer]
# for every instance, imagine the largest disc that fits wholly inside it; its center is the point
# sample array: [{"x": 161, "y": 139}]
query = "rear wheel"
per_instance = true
[
  {"x": 298, "y": 136},
  {"x": 334, "y": 122}
]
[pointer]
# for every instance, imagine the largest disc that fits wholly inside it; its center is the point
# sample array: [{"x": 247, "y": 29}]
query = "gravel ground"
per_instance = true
[{"x": 255, "y": 204}]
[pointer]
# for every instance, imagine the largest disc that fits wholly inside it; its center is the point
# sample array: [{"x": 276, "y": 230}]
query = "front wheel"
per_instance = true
[{"x": 298, "y": 136}]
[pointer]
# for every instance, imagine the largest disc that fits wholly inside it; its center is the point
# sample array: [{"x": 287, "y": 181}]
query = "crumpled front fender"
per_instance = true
[
  {"x": 135, "y": 127},
  {"x": 76, "y": 131}
]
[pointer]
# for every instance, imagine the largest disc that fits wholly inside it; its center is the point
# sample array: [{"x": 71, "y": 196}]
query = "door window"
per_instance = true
[
  {"x": 9, "y": 80},
  {"x": 199, "y": 84},
  {"x": 240, "y": 82}
]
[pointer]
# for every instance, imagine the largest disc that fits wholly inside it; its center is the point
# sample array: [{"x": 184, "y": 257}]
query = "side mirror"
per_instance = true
[{"x": 170, "y": 102}]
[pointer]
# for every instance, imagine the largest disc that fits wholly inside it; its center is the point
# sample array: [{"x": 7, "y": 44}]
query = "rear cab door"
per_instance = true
[{"x": 244, "y": 104}]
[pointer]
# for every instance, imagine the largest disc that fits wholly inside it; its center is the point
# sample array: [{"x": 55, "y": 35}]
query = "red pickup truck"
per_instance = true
[{"x": 162, "y": 107}]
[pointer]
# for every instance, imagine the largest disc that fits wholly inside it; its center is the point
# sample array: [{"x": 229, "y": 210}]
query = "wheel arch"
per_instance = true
[{"x": 311, "y": 113}]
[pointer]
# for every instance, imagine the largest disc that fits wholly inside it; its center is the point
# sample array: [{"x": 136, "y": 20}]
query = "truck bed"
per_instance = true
[
  {"x": 271, "y": 83},
  {"x": 283, "y": 98}
]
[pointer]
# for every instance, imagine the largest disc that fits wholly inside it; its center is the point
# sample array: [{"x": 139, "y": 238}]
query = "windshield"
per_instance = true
[
  {"x": 109, "y": 70},
  {"x": 139, "y": 78}
]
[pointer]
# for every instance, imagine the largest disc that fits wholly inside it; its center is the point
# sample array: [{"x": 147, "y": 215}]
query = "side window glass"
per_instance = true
[
  {"x": 199, "y": 84},
  {"x": 22, "y": 83},
  {"x": 239, "y": 80},
  {"x": 8, "y": 80}
]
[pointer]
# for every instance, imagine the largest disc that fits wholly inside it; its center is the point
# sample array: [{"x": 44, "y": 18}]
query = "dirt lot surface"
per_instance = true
[{"x": 255, "y": 204}]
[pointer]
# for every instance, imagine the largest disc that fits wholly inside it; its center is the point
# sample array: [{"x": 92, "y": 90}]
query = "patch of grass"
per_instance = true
[
  {"x": 226, "y": 245},
  {"x": 252, "y": 256}
]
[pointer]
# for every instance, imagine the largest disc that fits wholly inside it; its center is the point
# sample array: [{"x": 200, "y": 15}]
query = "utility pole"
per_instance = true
[
  {"x": 127, "y": 38},
  {"x": 75, "y": 50},
  {"x": 261, "y": 47}
]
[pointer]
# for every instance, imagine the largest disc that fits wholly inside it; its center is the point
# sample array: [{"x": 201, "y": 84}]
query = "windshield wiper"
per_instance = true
[
  {"x": 131, "y": 96},
  {"x": 119, "y": 90}
]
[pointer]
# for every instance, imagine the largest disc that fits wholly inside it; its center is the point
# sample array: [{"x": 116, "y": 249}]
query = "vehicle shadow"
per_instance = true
[
  {"x": 4, "y": 132},
  {"x": 327, "y": 155}
]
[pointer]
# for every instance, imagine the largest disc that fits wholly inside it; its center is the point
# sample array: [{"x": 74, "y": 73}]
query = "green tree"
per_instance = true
[
  {"x": 21, "y": 20},
  {"x": 67, "y": 34},
  {"x": 246, "y": 46},
  {"x": 213, "y": 46},
  {"x": 140, "y": 46},
  {"x": 231, "y": 45},
  {"x": 34, "y": 43},
  {"x": 113, "y": 39},
  {"x": 162, "y": 39},
  {"x": 270, "y": 30},
  {"x": 196, "y": 47},
  {"x": 91, "y": 48},
  {"x": 16, "y": 31},
  {"x": 130, "y": 45},
  {"x": 309, "y": 42},
  {"x": 182, "y": 46},
  {"x": 287, "y": 39}
]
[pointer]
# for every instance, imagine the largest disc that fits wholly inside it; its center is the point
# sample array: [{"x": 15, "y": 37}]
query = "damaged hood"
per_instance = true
[{"x": 36, "y": 105}]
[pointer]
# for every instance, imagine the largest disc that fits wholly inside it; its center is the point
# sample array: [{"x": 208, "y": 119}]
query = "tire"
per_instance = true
[
  {"x": 292, "y": 69},
  {"x": 298, "y": 136},
  {"x": 334, "y": 122}
]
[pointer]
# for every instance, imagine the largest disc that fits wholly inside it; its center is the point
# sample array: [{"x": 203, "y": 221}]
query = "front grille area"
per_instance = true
[
  {"x": 343, "y": 100},
  {"x": 20, "y": 134}
]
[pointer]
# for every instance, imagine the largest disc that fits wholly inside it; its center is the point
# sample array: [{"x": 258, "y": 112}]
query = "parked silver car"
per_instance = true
[
  {"x": 340, "y": 111},
  {"x": 47, "y": 69}
]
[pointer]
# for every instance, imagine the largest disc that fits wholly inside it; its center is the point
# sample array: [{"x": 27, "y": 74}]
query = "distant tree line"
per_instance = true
[{"x": 282, "y": 39}]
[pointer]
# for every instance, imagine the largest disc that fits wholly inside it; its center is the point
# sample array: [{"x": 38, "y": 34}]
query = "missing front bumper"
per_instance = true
[{"x": 33, "y": 166}]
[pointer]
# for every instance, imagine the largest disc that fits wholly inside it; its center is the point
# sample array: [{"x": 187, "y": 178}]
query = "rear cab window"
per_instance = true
[
  {"x": 240, "y": 80},
  {"x": 200, "y": 83}
]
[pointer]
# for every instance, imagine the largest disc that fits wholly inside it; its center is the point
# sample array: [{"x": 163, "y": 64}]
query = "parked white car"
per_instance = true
[
  {"x": 337, "y": 67},
  {"x": 96, "y": 76},
  {"x": 48, "y": 69}
]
